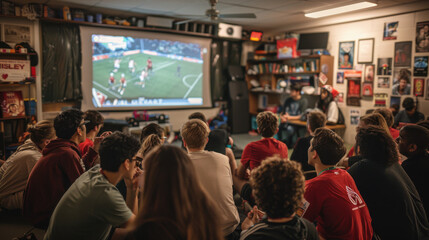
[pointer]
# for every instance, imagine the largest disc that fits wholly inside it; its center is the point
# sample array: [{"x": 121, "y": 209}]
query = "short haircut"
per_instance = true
[
  {"x": 197, "y": 115},
  {"x": 415, "y": 134},
  {"x": 115, "y": 149},
  {"x": 195, "y": 133},
  {"x": 94, "y": 118},
  {"x": 316, "y": 119},
  {"x": 387, "y": 115},
  {"x": 424, "y": 123},
  {"x": 41, "y": 131},
  {"x": 151, "y": 128},
  {"x": 408, "y": 104},
  {"x": 296, "y": 87},
  {"x": 278, "y": 186},
  {"x": 67, "y": 122},
  {"x": 375, "y": 144},
  {"x": 268, "y": 123},
  {"x": 328, "y": 145},
  {"x": 375, "y": 119}
]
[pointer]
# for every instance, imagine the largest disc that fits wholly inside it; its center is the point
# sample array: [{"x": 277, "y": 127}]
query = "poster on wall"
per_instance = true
[
  {"x": 369, "y": 73},
  {"x": 15, "y": 34},
  {"x": 422, "y": 37},
  {"x": 353, "y": 79},
  {"x": 286, "y": 48},
  {"x": 354, "y": 116},
  {"x": 340, "y": 97},
  {"x": 403, "y": 54},
  {"x": 427, "y": 89},
  {"x": 380, "y": 99},
  {"x": 367, "y": 90},
  {"x": 395, "y": 102},
  {"x": 365, "y": 50},
  {"x": 346, "y": 55},
  {"x": 419, "y": 87},
  {"x": 401, "y": 81},
  {"x": 390, "y": 30},
  {"x": 384, "y": 66},
  {"x": 420, "y": 66},
  {"x": 383, "y": 82},
  {"x": 340, "y": 77}
]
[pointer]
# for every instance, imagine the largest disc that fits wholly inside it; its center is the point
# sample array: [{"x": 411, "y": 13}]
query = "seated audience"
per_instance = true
[
  {"x": 334, "y": 201},
  {"x": 60, "y": 165},
  {"x": 424, "y": 123},
  {"x": 174, "y": 204},
  {"x": 328, "y": 105},
  {"x": 213, "y": 172},
  {"x": 413, "y": 143},
  {"x": 93, "y": 127},
  {"x": 315, "y": 120},
  {"x": 409, "y": 114},
  {"x": 388, "y": 117},
  {"x": 255, "y": 152},
  {"x": 152, "y": 128},
  {"x": 14, "y": 173},
  {"x": 92, "y": 205},
  {"x": 278, "y": 186},
  {"x": 396, "y": 209}
]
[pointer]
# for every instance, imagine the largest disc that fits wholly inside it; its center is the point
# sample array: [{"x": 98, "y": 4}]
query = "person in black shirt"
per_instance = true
[
  {"x": 409, "y": 114},
  {"x": 413, "y": 143},
  {"x": 395, "y": 206},
  {"x": 315, "y": 120},
  {"x": 278, "y": 187}
]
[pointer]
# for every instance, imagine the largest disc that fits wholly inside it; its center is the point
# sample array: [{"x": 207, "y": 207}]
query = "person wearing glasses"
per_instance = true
[
  {"x": 60, "y": 165},
  {"x": 92, "y": 206}
]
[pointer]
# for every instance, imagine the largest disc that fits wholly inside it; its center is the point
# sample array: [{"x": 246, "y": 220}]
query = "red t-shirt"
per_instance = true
[
  {"x": 394, "y": 133},
  {"x": 335, "y": 203},
  {"x": 255, "y": 152},
  {"x": 84, "y": 146}
]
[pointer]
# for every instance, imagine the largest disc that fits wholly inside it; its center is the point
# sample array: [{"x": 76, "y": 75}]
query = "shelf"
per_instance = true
[
  {"x": 14, "y": 118},
  {"x": 17, "y": 54},
  {"x": 288, "y": 73},
  {"x": 266, "y": 91},
  {"x": 265, "y": 53},
  {"x": 15, "y": 84}
]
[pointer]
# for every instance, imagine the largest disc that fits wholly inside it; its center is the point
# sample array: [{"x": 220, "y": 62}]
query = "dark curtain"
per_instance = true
[{"x": 62, "y": 62}]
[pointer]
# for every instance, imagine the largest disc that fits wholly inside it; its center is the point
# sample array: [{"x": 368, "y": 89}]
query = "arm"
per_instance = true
[
  {"x": 245, "y": 161},
  {"x": 332, "y": 114},
  {"x": 231, "y": 159}
]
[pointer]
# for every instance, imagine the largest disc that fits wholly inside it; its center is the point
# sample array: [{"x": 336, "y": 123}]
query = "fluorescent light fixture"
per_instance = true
[{"x": 343, "y": 9}]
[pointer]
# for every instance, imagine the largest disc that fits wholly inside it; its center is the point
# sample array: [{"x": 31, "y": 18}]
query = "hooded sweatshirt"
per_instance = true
[
  {"x": 53, "y": 174},
  {"x": 14, "y": 174}
]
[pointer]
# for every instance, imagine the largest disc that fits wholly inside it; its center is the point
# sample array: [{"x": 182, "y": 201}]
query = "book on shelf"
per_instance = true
[{"x": 12, "y": 104}]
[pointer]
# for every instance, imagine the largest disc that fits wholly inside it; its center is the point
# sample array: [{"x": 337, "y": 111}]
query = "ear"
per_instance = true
[
  {"x": 276, "y": 131},
  {"x": 79, "y": 131},
  {"x": 126, "y": 164},
  {"x": 207, "y": 140},
  {"x": 315, "y": 155},
  {"x": 184, "y": 143},
  {"x": 412, "y": 147},
  {"x": 96, "y": 128}
]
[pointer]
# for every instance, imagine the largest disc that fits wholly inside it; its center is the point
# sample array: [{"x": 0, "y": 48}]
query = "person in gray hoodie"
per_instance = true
[{"x": 15, "y": 171}]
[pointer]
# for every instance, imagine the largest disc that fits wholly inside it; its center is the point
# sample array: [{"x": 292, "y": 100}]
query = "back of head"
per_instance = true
[
  {"x": 197, "y": 115},
  {"x": 387, "y": 115},
  {"x": 315, "y": 120},
  {"x": 67, "y": 122},
  {"x": 268, "y": 123},
  {"x": 195, "y": 133},
  {"x": 94, "y": 118},
  {"x": 328, "y": 145},
  {"x": 41, "y": 131},
  {"x": 278, "y": 186},
  {"x": 415, "y": 134},
  {"x": 408, "y": 104},
  {"x": 149, "y": 143},
  {"x": 176, "y": 195},
  {"x": 375, "y": 119},
  {"x": 115, "y": 149},
  {"x": 424, "y": 123},
  {"x": 375, "y": 144},
  {"x": 151, "y": 128}
]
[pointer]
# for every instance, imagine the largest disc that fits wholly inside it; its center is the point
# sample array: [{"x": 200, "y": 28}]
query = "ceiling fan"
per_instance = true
[{"x": 214, "y": 15}]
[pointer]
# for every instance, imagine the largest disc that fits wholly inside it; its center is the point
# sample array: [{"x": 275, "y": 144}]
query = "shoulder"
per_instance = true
[{"x": 250, "y": 233}]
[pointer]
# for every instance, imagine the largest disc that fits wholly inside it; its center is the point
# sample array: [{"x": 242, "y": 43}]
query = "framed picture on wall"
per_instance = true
[
  {"x": 340, "y": 77},
  {"x": 365, "y": 50},
  {"x": 346, "y": 55},
  {"x": 420, "y": 66},
  {"x": 384, "y": 66},
  {"x": 369, "y": 73},
  {"x": 422, "y": 37},
  {"x": 403, "y": 54},
  {"x": 390, "y": 31},
  {"x": 419, "y": 87},
  {"x": 427, "y": 89}
]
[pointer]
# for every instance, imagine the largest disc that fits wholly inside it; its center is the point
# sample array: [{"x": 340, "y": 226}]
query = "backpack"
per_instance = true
[{"x": 34, "y": 58}]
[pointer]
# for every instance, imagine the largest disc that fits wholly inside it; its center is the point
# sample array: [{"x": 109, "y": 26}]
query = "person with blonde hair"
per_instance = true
[
  {"x": 15, "y": 171},
  {"x": 173, "y": 203}
]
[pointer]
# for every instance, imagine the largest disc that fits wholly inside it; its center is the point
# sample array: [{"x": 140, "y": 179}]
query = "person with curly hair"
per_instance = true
[
  {"x": 278, "y": 186},
  {"x": 334, "y": 201}
]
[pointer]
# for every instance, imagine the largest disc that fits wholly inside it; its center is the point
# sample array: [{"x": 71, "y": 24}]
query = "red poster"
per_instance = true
[
  {"x": 419, "y": 86},
  {"x": 286, "y": 48},
  {"x": 12, "y": 104}
]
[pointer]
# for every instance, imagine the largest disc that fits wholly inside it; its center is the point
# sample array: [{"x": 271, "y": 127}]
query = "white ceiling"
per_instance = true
[{"x": 272, "y": 15}]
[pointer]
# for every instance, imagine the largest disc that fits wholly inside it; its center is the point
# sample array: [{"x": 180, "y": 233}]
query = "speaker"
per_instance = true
[
  {"x": 235, "y": 73},
  {"x": 229, "y": 31},
  {"x": 239, "y": 118}
]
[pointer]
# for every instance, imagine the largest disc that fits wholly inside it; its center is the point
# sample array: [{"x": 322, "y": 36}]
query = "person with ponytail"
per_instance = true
[{"x": 15, "y": 171}]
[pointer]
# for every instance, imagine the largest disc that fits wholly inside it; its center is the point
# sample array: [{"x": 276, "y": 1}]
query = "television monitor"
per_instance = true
[
  {"x": 309, "y": 41},
  {"x": 255, "y": 36},
  {"x": 135, "y": 70}
]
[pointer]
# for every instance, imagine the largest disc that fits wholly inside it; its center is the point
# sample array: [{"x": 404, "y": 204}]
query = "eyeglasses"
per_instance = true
[
  {"x": 83, "y": 124},
  {"x": 138, "y": 161}
]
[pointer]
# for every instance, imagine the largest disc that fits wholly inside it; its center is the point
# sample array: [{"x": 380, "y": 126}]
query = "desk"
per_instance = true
[{"x": 304, "y": 124}]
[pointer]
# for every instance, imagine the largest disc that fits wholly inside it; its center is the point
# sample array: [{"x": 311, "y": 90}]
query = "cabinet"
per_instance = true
[{"x": 265, "y": 71}]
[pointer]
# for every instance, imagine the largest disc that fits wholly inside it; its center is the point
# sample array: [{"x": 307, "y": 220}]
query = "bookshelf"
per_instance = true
[{"x": 266, "y": 70}]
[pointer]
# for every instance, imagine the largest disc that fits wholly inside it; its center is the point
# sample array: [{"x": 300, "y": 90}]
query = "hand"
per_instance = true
[
  {"x": 252, "y": 219},
  {"x": 98, "y": 140},
  {"x": 283, "y": 118},
  {"x": 230, "y": 141},
  {"x": 136, "y": 181}
]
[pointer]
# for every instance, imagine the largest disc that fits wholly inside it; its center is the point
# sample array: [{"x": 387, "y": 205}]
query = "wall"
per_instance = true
[{"x": 382, "y": 49}]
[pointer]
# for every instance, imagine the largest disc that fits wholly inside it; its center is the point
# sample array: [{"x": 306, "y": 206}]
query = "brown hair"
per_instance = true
[
  {"x": 278, "y": 186},
  {"x": 173, "y": 198},
  {"x": 315, "y": 120},
  {"x": 268, "y": 123},
  {"x": 151, "y": 128},
  {"x": 195, "y": 133},
  {"x": 387, "y": 115},
  {"x": 197, "y": 115},
  {"x": 375, "y": 119},
  {"x": 41, "y": 131},
  {"x": 94, "y": 118},
  {"x": 377, "y": 145},
  {"x": 149, "y": 143},
  {"x": 328, "y": 145}
]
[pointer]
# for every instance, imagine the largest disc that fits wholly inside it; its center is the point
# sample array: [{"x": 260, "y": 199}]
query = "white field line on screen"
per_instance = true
[
  {"x": 186, "y": 77},
  {"x": 107, "y": 90},
  {"x": 193, "y": 85}
]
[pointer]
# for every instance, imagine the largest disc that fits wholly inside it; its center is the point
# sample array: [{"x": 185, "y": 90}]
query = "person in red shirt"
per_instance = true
[
  {"x": 255, "y": 152},
  {"x": 388, "y": 116},
  {"x": 149, "y": 65},
  {"x": 95, "y": 123},
  {"x": 332, "y": 198}
]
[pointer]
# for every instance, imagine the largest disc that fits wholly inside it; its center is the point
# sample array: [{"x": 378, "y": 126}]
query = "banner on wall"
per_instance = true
[{"x": 353, "y": 79}]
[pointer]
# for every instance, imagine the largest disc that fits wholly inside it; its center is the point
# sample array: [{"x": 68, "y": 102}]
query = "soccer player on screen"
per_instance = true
[
  {"x": 111, "y": 81},
  {"x": 149, "y": 66},
  {"x": 132, "y": 66},
  {"x": 178, "y": 72},
  {"x": 123, "y": 84},
  {"x": 116, "y": 65},
  {"x": 143, "y": 77}
]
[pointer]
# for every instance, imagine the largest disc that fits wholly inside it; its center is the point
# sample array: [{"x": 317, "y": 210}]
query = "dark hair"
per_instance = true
[
  {"x": 415, "y": 134},
  {"x": 316, "y": 120},
  {"x": 423, "y": 123},
  {"x": 67, "y": 122},
  {"x": 375, "y": 144},
  {"x": 149, "y": 143},
  {"x": 268, "y": 123},
  {"x": 408, "y": 104},
  {"x": 197, "y": 115},
  {"x": 387, "y": 115},
  {"x": 115, "y": 149},
  {"x": 151, "y": 128},
  {"x": 94, "y": 118},
  {"x": 278, "y": 186},
  {"x": 375, "y": 119},
  {"x": 296, "y": 87},
  {"x": 328, "y": 145},
  {"x": 195, "y": 133},
  {"x": 323, "y": 104},
  {"x": 41, "y": 131}
]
